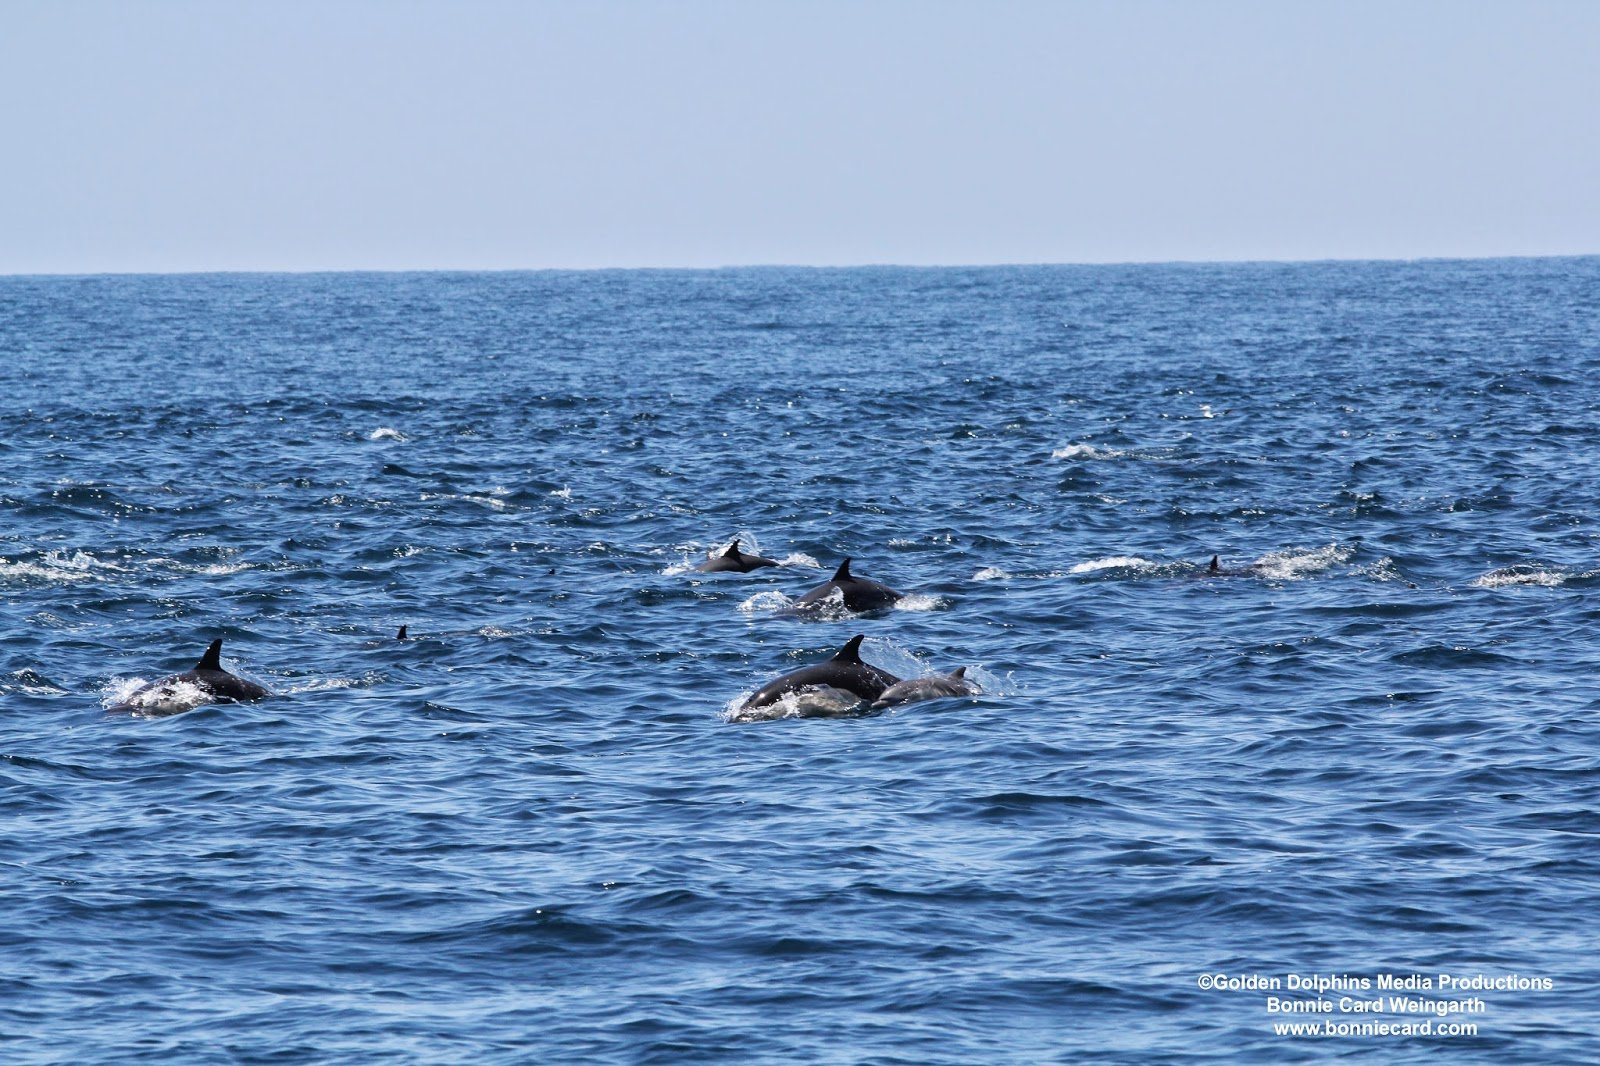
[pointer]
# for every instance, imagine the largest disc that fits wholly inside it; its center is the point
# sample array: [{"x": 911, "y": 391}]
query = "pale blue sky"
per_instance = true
[{"x": 159, "y": 135}]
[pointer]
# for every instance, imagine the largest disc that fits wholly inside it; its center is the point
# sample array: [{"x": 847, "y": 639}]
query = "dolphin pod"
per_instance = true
[
  {"x": 845, "y": 673},
  {"x": 207, "y": 677}
]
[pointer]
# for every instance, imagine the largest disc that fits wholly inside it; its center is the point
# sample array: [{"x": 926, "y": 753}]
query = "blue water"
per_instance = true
[{"x": 533, "y": 833}]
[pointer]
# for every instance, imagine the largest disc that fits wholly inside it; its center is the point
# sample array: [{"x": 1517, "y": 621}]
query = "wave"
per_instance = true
[
  {"x": 57, "y": 566},
  {"x": 1297, "y": 564},
  {"x": 1113, "y": 562},
  {"x": 1524, "y": 574},
  {"x": 1088, "y": 451}
]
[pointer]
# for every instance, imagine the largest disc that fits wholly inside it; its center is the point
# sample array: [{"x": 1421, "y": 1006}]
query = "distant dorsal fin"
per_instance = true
[
  {"x": 401, "y": 635},
  {"x": 960, "y": 671},
  {"x": 1216, "y": 564},
  {"x": 212, "y": 659},
  {"x": 851, "y": 652},
  {"x": 843, "y": 573}
]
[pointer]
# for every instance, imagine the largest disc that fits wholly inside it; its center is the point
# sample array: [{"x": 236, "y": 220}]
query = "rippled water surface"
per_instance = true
[{"x": 1369, "y": 745}]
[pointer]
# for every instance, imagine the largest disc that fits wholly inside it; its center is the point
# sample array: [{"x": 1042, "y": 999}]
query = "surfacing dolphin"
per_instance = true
[
  {"x": 844, "y": 672},
  {"x": 857, "y": 593},
  {"x": 927, "y": 688},
  {"x": 734, "y": 561},
  {"x": 1216, "y": 569},
  {"x": 164, "y": 696}
]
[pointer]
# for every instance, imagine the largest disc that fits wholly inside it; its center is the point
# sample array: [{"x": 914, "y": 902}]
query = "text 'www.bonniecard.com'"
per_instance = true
[{"x": 1427, "y": 1006}]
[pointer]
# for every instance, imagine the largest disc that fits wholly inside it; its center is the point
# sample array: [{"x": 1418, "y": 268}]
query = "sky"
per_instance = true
[{"x": 298, "y": 135}]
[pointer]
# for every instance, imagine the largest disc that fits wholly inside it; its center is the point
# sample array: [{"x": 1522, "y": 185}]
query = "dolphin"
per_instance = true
[
  {"x": 732, "y": 560},
  {"x": 927, "y": 688},
  {"x": 845, "y": 672},
  {"x": 859, "y": 593},
  {"x": 162, "y": 696},
  {"x": 1215, "y": 569}
]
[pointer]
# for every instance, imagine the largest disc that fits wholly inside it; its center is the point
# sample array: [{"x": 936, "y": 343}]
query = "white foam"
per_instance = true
[
  {"x": 57, "y": 565},
  {"x": 224, "y": 569},
  {"x": 1086, "y": 451},
  {"x": 172, "y": 697},
  {"x": 812, "y": 703},
  {"x": 918, "y": 601},
  {"x": 990, "y": 573},
  {"x": 491, "y": 499},
  {"x": 1294, "y": 564},
  {"x": 329, "y": 684},
  {"x": 1513, "y": 576},
  {"x": 35, "y": 684},
  {"x": 1113, "y": 562},
  {"x": 386, "y": 433},
  {"x": 770, "y": 600}
]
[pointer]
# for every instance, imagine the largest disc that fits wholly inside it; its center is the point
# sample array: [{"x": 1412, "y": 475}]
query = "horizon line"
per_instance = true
[{"x": 886, "y": 265}]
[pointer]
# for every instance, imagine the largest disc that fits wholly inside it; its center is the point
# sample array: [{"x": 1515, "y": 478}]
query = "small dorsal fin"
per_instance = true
[
  {"x": 732, "y": 551},
  {"x": 401, "y": 635},
  {"x": 212, "y": 659},
  {"x": 851, "y": 652},
  {"x": 1216, "y": 565},
  {"x": 960, "y": 671},
  {"x": 843, "y": 573}
]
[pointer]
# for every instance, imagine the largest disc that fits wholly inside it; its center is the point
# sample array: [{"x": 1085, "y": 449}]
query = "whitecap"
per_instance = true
[
  {"x": 1086, "y": 451},
  {"x": 57, "y": 565},
  {"x": 35, "y": 684},
  {"x": 1512, "y": 576},
  {"x": 1114, "y": 562},
  {"x": 1293, "y": 564},
  {"x": 918, "y": 601},
  {"x": 990, "y": 573},
  {"x": 387, "y": 433},
  {"x": 224, "y": 569},
  {"x": 329, "y": 684},
  {"x": 770, "y": 600}
]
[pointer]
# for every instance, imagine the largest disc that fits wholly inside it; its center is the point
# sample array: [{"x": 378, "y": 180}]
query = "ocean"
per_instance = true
[{"x": 1337, "y": 799}]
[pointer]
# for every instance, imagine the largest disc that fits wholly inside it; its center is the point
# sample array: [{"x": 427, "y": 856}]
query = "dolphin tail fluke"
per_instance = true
[
  {"x": 851, "y": 652},
  {"x": 843, "y": 573},
  {"x": 212, "y": 659}
]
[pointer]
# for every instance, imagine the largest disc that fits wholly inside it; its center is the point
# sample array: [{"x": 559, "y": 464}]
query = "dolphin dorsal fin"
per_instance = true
[
  {"x": 212, "y": 659},
  {"x": 401, "y": 635},
  {"x": 851, "y": 652},
  {"x": 1216, "y": 564},
  {"x": 960, "y": 671},
  {"x": 843, "y": 573},
  {"x": 733, "y": 550}
]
